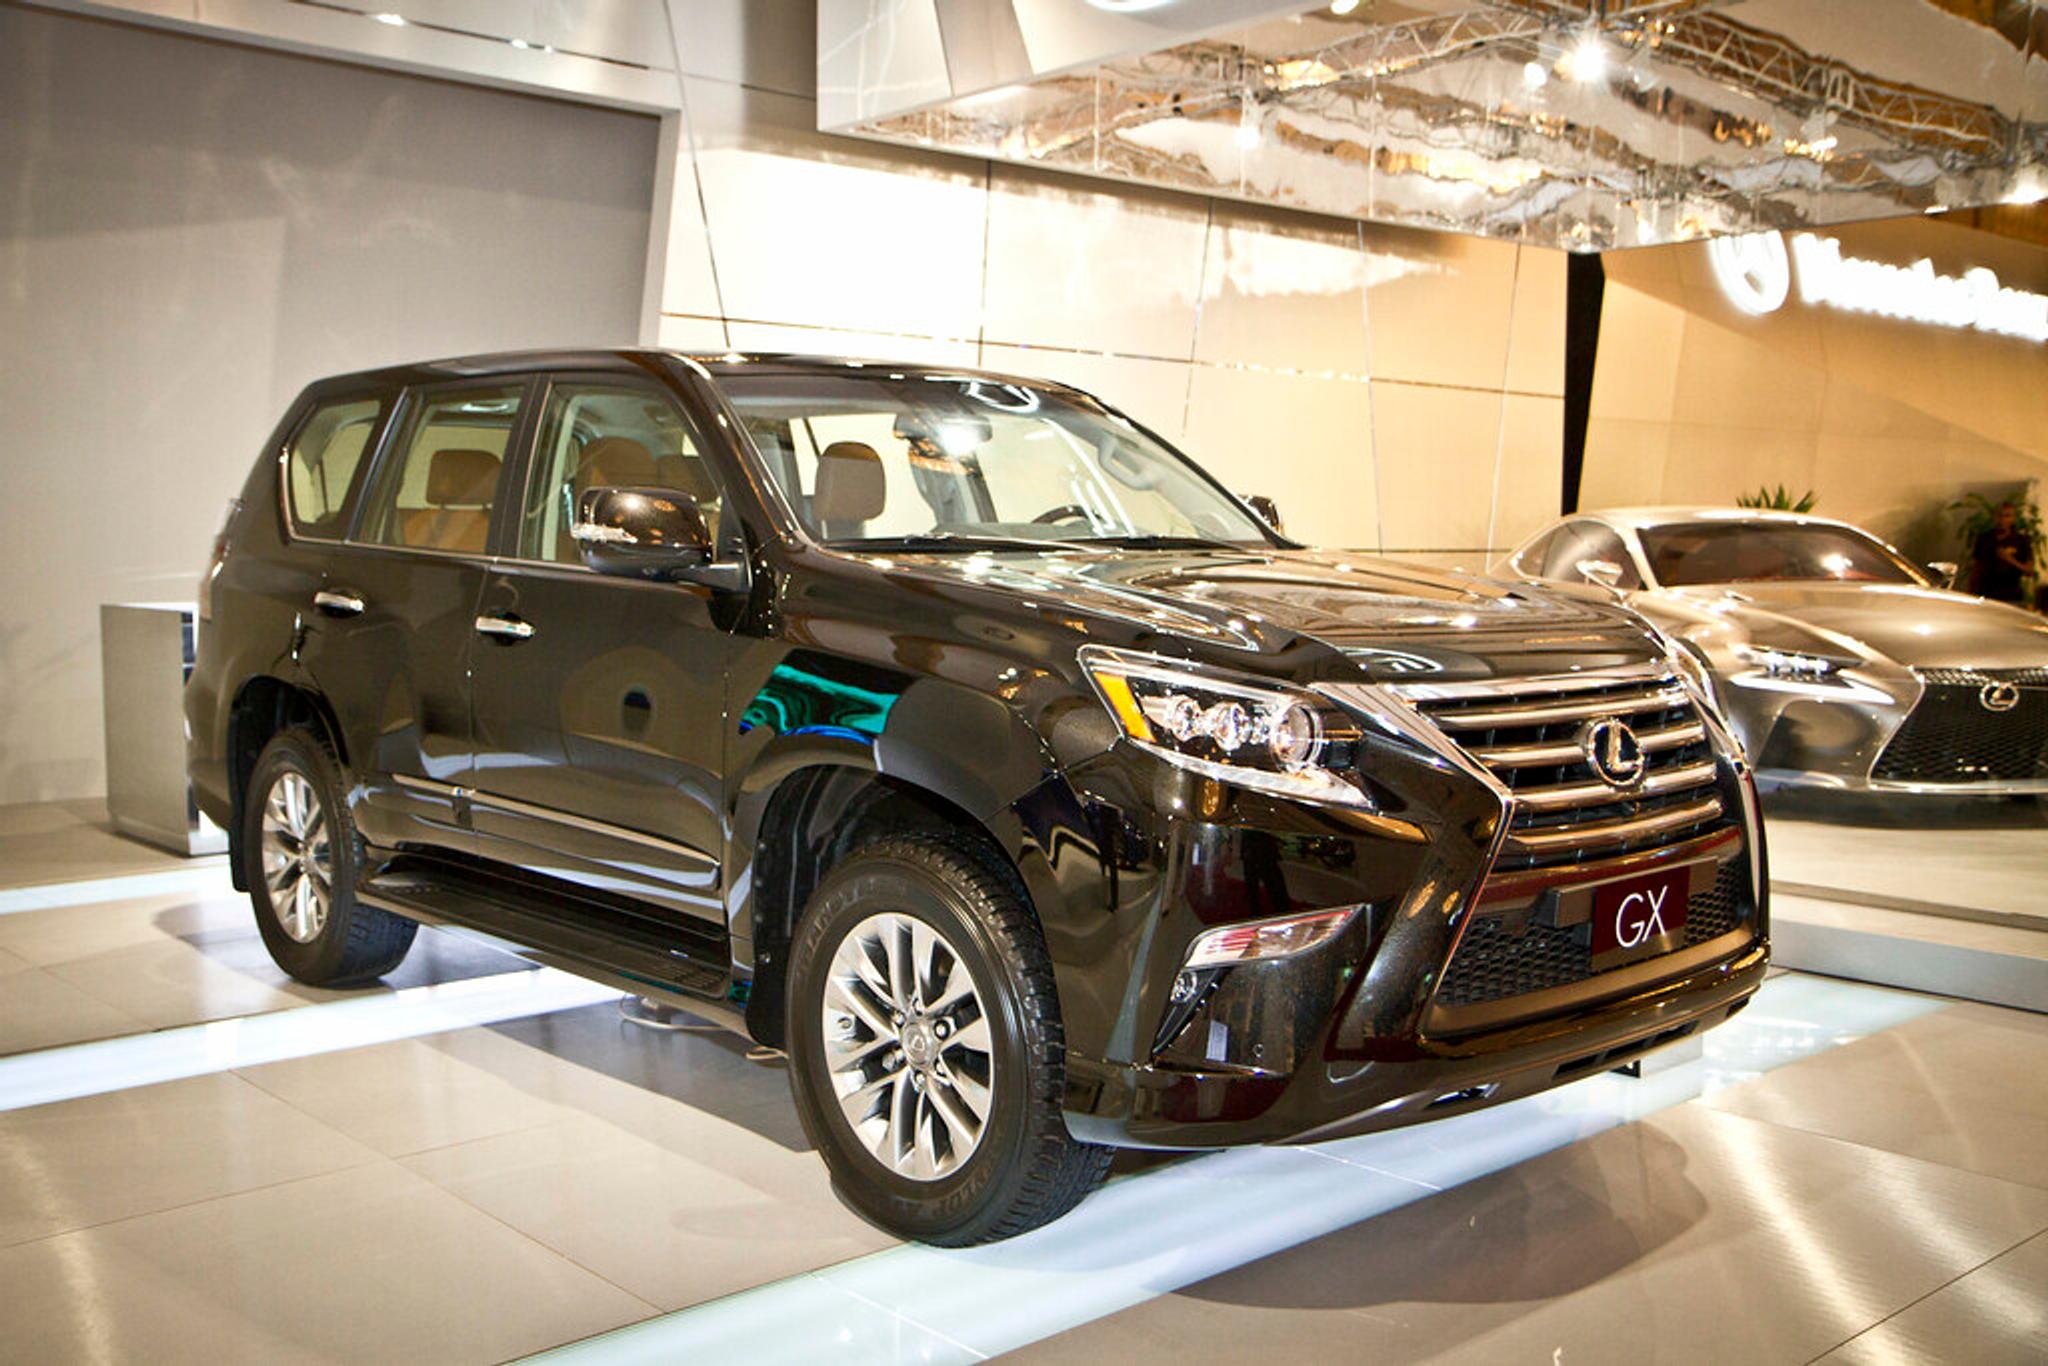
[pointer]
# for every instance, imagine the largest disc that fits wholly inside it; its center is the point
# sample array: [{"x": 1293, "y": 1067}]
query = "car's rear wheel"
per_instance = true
[
  {"x": 301, "y": 857},
  {"x": 925, "y": 1045}
]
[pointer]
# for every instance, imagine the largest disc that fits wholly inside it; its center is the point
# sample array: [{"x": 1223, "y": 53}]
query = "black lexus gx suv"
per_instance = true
[{"x": 956, "y": 736}]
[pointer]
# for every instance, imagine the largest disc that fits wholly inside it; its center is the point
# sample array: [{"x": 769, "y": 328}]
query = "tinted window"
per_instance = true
[
  {"x": 873, "y": 457},
  {"x": 1577, "y": 542},
  {"x": 1529, "y": 559},
  {"x": 1738, "y": 552},
  {"x": 607, "y": 435},
  {"x": 321, "y": 464},
  {"x": 437, "y": 493}
]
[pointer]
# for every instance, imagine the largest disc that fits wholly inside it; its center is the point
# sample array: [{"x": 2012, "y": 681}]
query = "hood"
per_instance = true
[
  {"x": 1912, "y": 626},
  {"x": 1392, "y": 619}
]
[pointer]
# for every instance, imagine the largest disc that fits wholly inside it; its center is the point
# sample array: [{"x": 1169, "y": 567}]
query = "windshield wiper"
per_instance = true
[
  {"x": 939, "y": 540},
  {"x": 1155, "y": 542}
]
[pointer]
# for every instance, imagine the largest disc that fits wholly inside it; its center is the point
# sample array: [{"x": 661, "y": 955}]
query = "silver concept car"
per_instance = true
[{"x": 1840, "y": 662}]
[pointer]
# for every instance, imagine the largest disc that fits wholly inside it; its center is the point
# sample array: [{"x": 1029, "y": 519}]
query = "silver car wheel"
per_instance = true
[
  {"x": 907, "y": 1045},
  {"x": 298, "y": 864}
]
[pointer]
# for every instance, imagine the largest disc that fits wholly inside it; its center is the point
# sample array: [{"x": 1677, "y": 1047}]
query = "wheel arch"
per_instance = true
[
  {"x": 264, "y": 705},
  {"x": 793, "y": 827}
]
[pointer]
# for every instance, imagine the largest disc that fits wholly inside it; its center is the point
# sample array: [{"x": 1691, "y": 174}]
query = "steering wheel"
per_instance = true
[{"x": 1060, "y": 514}]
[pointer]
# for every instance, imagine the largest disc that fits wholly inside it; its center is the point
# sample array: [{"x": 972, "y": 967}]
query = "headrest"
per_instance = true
[
  {"x": 851, "y": 487},
  {"x": 616, "y": 462},
  {"x": 460, "y": 477},
  {"x": 685, "y": 474}
]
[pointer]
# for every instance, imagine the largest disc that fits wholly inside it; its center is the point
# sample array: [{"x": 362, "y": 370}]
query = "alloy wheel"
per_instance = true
[
  {"x": 298, "y": 863},
  {"x": 907, "y": 1045}
]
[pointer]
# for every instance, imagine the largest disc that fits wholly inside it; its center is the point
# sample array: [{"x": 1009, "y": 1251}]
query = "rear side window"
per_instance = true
[
  {"x": 437, "y": 489},
  {"x": 321, "y": 464}
]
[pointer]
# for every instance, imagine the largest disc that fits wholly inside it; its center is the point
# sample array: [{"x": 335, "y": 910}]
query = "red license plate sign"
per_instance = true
[{"x": 1640, "y": 916}]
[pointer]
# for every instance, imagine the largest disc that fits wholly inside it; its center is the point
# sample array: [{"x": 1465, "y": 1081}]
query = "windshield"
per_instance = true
[
  {"x": 1744, "y": 552},
  {"x": 939, "y": 460}
]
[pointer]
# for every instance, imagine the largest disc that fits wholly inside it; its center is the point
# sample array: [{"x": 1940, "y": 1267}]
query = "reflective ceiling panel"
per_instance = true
[{"x": 1579, "y": 125}]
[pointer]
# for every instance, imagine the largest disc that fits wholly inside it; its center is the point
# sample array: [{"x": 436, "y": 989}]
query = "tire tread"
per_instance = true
[{"x": 1059, "y": 1170}]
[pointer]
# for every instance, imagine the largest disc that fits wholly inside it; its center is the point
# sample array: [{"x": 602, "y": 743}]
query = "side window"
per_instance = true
[
  {"x": 321, "y": 463},
  {"x": 1578, "y": 541},
  {"x": 1602, "y": 544},
  {"x": 597, "y": 435},
  {"x": 437, "y": 491},
  {"x": 1529, "y": 560}
]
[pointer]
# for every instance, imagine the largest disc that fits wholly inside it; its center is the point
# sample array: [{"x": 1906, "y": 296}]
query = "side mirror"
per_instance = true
[
  {"x": 1945, "y": 572},
  {"x": 1268, "y": 510},
  {"x": 645, "y": 534},
  {"x": 1605, "y": 573}
]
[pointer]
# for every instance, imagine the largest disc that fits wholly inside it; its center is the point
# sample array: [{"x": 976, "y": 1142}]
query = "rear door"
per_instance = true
[
  {"x": 600, "y": 701},
  {"x": 389, "y": 639}
]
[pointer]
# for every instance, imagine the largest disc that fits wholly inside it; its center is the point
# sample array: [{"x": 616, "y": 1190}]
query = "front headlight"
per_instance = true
[
  {"x": 1256, "y": 734},
  {"x": 1805, "y": 674}
]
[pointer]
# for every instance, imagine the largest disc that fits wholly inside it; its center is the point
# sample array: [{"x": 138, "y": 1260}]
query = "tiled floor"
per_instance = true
[{"x": 481, "y": 1193}]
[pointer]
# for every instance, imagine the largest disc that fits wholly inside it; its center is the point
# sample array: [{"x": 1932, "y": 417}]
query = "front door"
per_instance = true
[
  {"x": 389, "y": 637},
  {"x": 599, "y": 702}
]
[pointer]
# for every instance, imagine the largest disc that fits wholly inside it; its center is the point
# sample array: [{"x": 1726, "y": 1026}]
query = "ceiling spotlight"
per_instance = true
[
  {"x": 395, "y": 20},
  {"x": 1534, "y": 75},
  {"x": 1343, "y": 6},
  {"x": 1588, "y": 59},
  {"x": 1249, "y": 134},
  {"x": 2027, "y": 191}
]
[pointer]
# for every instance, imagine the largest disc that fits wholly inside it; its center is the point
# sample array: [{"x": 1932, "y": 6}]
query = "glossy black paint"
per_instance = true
[{"x": 673, "y": 764}]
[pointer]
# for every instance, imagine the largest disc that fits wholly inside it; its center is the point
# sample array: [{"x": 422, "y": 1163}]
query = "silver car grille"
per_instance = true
[
  {"x": 2030, "y": 676},
  {"x": 1528, "y": 733}
]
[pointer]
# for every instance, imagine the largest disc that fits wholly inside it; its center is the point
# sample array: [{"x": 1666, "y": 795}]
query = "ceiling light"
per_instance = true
[
  {"x": 1588, "y": 59},
  {"x": 1248, "y": 131},
  {"x": 1343, "y": 6},
  {"x": 1534, "y": 75},
  {"x": 395, "y": 20}
]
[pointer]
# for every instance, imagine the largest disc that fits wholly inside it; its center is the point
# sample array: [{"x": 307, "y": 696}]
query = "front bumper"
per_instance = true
[
  {"x": 1904, "y": 735},
  {"x": 1182, "y": 1108},
  {"x": 1394, "y": 1022}
]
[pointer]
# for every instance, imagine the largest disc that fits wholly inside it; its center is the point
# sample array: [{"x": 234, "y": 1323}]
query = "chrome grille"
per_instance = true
[{"x": 1527, "y": 733}]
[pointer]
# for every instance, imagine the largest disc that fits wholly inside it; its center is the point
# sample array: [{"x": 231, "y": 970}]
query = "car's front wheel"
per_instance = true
[
  {"x": 925, "y": 1045},
  {"x": 300, "y": 857}
]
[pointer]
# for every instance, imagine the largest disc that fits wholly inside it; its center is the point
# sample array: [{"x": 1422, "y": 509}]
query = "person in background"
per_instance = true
[{"x": 2004, "y": 556}]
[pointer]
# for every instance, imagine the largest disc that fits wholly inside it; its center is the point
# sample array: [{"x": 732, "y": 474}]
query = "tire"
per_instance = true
[
  {"x": 328, "y": 940},
  {"x": 956, "y": 1184}
]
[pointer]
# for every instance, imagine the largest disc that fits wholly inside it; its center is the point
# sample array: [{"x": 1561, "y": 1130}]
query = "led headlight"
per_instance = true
[
  {"x": 1255, "y": 734},
  {"x": 1794, "y": 672}
]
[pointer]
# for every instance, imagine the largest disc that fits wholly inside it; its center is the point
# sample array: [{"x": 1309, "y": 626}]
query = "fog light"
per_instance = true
[{"x": 1281, "y": 938}]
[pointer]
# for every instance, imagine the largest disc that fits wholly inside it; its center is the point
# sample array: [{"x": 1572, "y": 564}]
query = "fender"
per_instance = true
[{"x": 867, "y": 734}]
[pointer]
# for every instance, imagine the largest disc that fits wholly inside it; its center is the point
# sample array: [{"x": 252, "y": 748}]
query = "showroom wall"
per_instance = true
[
  {"x": 189, "y": 231},
  {"x": 1695, "y": 400},
  {"x": 1389, "y": 388}
]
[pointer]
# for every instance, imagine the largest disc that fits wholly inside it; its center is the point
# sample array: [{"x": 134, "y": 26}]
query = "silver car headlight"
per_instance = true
[
  {"x": 1807, "y": 675},
  {"x": 1267, "y": 736}
]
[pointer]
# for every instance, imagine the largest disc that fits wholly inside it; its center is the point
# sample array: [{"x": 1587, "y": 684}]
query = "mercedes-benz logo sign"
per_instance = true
[
  {"x": 1753, "y": 270},
  {"x": 1998, "y": 696},
  {"x": 1613, "y": 751}
]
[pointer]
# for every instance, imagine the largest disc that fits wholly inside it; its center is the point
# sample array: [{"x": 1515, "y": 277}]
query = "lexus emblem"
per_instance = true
[
  {"x": 1753, "y": 270},
  {"x": 1613, "y": 751},
  {"x": 1999, "y": 696}
]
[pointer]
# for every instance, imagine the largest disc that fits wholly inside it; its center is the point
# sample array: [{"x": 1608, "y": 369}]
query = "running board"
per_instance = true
[{"x": 634, "y": 953}]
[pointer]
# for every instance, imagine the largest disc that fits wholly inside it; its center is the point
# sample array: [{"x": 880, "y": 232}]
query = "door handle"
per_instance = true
[
  {"x": 338, "y": 602},
  {"x": 505, "y": 628}
]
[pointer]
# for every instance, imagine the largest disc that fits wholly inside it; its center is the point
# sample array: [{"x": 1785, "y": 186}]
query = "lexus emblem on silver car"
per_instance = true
[
  {"x": 1614, "y": 752},
  {"x": 1999, "y": 696}
]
